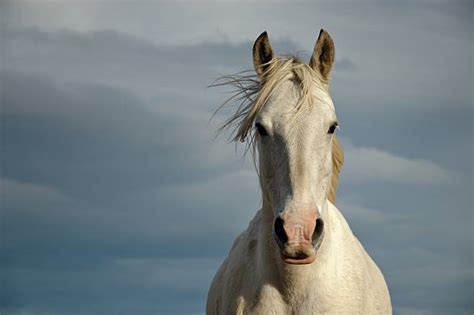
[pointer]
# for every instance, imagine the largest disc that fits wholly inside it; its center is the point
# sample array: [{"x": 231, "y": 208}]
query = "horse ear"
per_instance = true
[
  {"x": 323, "y": 56},
  {"x": 262, "y": 54}
]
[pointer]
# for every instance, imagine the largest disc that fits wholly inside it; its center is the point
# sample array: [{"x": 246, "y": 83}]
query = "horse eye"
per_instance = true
[
  {"x": 333, "y": 128},
  {"x": 261, "y": 130}
]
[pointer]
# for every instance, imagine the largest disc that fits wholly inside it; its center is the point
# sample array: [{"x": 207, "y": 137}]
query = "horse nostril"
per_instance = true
[
  {"x": 318, "y": 232},
  {"x": 279, "y": 232}
]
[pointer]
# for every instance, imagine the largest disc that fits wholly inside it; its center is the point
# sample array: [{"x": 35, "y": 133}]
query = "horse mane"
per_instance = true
[
  {"x": 251, "y": 93},
  {"x": 337, "y": 162}
]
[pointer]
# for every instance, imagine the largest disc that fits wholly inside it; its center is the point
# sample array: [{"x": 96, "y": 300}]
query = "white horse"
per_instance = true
[{"x": 298, "y": 255}]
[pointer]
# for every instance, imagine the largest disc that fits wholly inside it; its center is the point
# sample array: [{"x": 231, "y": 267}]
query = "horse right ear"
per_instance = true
[
  {"x": 262, "y": 54},
  {"x": 323, "y": 56}
]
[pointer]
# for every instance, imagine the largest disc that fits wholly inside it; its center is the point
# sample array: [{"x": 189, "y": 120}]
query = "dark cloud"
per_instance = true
[
  {"x": 113, "y": 58},
  {"x": 83, "y": 135},
  {"x": 92, "y": 177},
  {"x": 99, "y": 158}
]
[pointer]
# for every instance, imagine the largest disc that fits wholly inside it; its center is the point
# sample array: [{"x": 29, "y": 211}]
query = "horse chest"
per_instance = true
[{"x": 314, "y": 301}]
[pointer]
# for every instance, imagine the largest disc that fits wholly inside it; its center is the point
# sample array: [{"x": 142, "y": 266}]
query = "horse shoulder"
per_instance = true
[{"x": 226, "y": 294}]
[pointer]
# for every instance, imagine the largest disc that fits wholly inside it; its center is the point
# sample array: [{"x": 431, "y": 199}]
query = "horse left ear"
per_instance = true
[
  {"x": 323, "y": 56},
  {"x": 262, "y": 54}
]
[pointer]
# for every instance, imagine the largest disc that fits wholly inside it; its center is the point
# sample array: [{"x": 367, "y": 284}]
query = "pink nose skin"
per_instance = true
[
  {"x": 293, "y": 233},
  {"x": 299, "y": 228}
]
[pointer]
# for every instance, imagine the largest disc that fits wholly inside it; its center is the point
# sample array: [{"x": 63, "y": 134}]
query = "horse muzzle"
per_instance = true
[{"x": 298, "y": 237}]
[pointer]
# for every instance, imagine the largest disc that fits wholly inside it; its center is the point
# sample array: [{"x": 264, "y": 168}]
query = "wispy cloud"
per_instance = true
[
  {"x": 372, "y": 164},
  {"x": 29, "y": 195}
]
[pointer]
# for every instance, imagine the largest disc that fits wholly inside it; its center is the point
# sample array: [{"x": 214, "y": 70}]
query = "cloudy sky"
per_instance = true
[{"x": 115, "y": 199}]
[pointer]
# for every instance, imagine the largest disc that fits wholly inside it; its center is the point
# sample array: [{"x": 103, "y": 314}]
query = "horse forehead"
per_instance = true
[
  {"x": 284, "y": 96},
  {"x": 282, "y": 107},
  {"x": 281, "y": 102}
]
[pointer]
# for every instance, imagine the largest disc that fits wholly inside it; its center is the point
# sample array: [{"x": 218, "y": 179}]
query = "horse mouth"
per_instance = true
[
  {"x": 298, "y": 261},
  {"x": 298, "y": 255}
]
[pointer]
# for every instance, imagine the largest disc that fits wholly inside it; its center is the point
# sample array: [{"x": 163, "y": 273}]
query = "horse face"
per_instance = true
[{"x": 295, "y": 160}]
